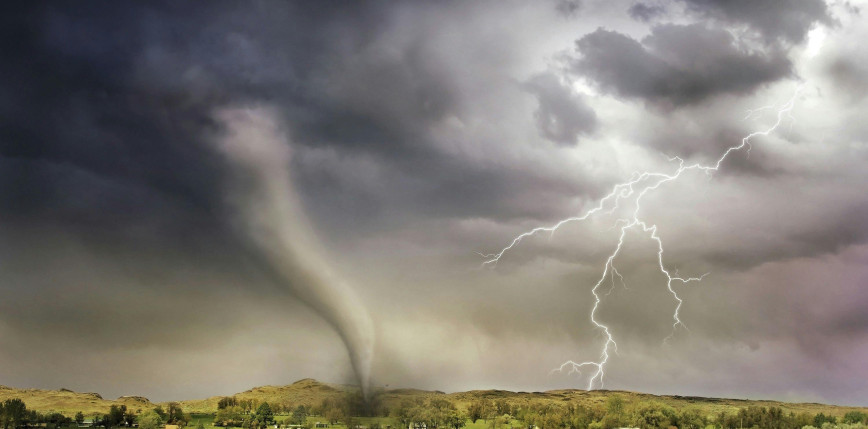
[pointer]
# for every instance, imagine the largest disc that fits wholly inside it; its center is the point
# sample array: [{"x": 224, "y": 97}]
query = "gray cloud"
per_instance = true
[
  {"x": 787, "y": 20},
  {"x": 562, "y": 115},
  {"x": 677, "y": 65},
  {"x": 645, "y": 12},
  {"x": 850, "y": 75},
  {"x": 569, "y": 7}
]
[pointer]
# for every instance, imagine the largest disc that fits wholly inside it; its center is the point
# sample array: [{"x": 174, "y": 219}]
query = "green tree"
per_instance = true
[
  {"x": 150, "y": 420},
  {"x": 502, "y": 407},
  {"x": 14, "y": 412},
  {"x": 79, "y": 418},
  {"x": 653, "y": 414},
  {"x": 821, "y": 418},
  {"x": 478, "y": 410},
  {"x": 229, "y": 416},
  {"x": 615, "y": 405},
  {"x": 227, "y": 401},
  {"x": 402, "y": 413},
  {"x": 855, "y": 417},
  {"x": 129, "y": 418},
  {"x": 264, "y": 414},
  {"x": 801, "y": 420},
  {"x": 614, "y": 412},
  {"x": 56, "y": 418},
  {"x": 691, "y": 418},
  {"x": 331, "y": 410},
  {"x": 499, "y": 421},
  {"x": 455, "y": 419},
  {"x": 299, "y": 416},
  {"x": 115, "y": 416},
  {"x": 175, "y": 415}
]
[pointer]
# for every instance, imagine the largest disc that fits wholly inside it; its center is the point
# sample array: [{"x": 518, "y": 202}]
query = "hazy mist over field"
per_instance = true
[{"x": 421, "y": 133}]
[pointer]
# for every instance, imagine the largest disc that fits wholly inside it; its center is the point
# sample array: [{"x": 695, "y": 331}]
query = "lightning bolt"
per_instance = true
[{"x": 634, "y": 189}]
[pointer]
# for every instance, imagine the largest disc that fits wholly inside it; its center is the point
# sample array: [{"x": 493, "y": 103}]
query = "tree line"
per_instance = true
[
  {"x": 257, "y": 414},
  {"x": 15, "y": 415},
  {"x": 441, "y": 413},
  {"x": 616, "y": 413}
]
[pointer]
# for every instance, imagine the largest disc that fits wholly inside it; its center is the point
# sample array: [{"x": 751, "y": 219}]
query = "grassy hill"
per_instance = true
[
  {"x": 68, "y": 402},
  {"x": 597, "y": 398},
  {"x": 311, "y": 392},
  {"x": 305, "y": 392}
]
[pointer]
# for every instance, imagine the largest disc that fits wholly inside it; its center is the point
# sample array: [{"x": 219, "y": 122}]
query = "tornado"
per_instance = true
[{"x": 269, "y": 213}]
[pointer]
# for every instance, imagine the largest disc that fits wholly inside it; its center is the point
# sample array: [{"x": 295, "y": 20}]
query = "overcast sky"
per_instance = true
[{"x": 421, "y": 133}]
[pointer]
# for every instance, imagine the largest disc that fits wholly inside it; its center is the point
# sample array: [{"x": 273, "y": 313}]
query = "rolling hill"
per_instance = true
[
  {"x": 68, "y": 402},
  {"x": 311, "y": 392}
]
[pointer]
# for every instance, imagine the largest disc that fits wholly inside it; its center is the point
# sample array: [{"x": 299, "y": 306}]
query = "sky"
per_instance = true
[{"x": 183, "y": 185}]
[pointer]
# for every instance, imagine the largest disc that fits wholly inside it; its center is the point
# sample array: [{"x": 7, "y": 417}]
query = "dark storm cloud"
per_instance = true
[
  {"x": 562, "y": 115},
  {"x": 105, "y": 148},
  {"x": 787, "y": 20},
  {"x": 107, "y": 109},
  {"x": 125, "y": 94},
  {"x": 677, "y": 65},
  {"x": 85, "y": 146},
  {"x": 112, "y": 104},
  {"x": 645, "y": 12}
]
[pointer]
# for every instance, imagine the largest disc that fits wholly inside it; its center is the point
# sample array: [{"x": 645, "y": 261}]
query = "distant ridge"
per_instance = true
[
  {"x": 310, "y": 392},
  {"x": 69, "y": 402}
]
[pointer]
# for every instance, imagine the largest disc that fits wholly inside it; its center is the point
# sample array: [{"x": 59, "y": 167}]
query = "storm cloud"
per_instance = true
[
  {"x": 786, "y": 20},
  {"x": 677, "y": 65},
  {"x": 562, "y": 115}
]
